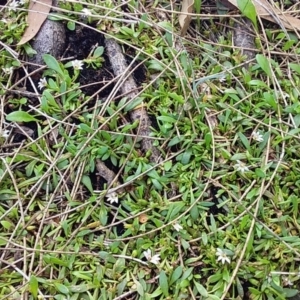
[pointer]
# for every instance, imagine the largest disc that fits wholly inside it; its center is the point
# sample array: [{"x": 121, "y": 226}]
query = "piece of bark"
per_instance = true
[
  {"x": 129, "y": 88},
  {"x": 51, "y": 39},
  {"x": 106, "y": 173},
  {"x": 244, "y": 38}
]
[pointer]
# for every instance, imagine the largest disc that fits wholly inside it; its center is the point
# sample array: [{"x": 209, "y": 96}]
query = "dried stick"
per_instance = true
[
  {"x": 129, "y": 88},
  {"x": 106, "y": 173}
]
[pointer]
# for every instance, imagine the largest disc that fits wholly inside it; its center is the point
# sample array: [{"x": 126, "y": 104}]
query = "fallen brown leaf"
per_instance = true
[
  {"x": 184, "y": 18},
  {"x": 268, "y": 12},
  {"x": 38, "y": 12}
]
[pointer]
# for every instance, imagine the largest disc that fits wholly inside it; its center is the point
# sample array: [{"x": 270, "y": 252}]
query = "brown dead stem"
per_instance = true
[
  {"x": 106, "y": 173},
  {"x": 130, "y": 88}
]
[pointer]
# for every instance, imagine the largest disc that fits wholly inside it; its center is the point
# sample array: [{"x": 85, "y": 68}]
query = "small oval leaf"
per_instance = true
[
  {"x": 163, "y": 283},
  {"x": 20, "y": 116}
]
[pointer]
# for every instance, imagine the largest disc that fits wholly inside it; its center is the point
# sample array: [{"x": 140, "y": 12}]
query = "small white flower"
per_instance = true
[
  {"x": 86, "y": 12},
  {"x": 222, "y": 79},
  {"x": 222, "y": 256},
  {"x": 147, "y": 254},
  {"x": 77, "y": 64},
  {"x": 177, "y": 226},
  {"x": 286, "y": 281},
  {"x": 240, "y": 166},
  {"x": 13, "y": 5},
  {"x": 8, "y": 71},
  {"x": 4, "y": 133},
  {"x": 22, "y": 2},
  {"x": 112, "y": 197},
  {"x": 42, "y": 83},
  {"x": 153, "y": 259},
  {"x": 257, "y": 136}
]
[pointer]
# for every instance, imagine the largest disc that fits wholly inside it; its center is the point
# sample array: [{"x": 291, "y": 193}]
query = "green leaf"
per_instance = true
[
  {"x": 174, "y": 209},
  {"x": 238, "y": 156},
  {"x": 87, "y": 182},
  {"x": 213, "y": 297},
  {"x": 290, "y": 292},
  {"x": 98, "y": 51},
  {"x": 55, "y": 261},
  {"x": 201, "y": 289},
  {"x": 33, "y": 286},
  {"x": 139, "y": 287},
  {"x": 137, "y": 101},
  {"x": 176, "y": 275},
  {"x": 20, "y": 116},
  {"x": 260, "y": 173},
  {"x": 245, "y": 141},
  {"x": 270, "y": 99},
  {"x": 175, "y": 140},
  {"x": 156, "y": 293},
  {"x": 186, "y": 156},
  {"x": 240, "y": 288},
  {"x": 71, "y": 25},
  {"x": 248, "y": 10},
  {"x": 80, "y": 288},
  {"x": 52, "y": 63},
  {"x": 208, "y": 139},
  {"x": 168, "y": 165},
  {"x": 85, "y": 128},
  {"x": 50, "y": 99},
  {"x": 163, "y": 283},
  {"x": 295, "y": 67},
  {"x": 61, "y": 288},
  {"x": 6, "y": 224},
  {"x": 194, "y": 212},
  {"x": 83, "y": 275},
  {"x": 264, "y": 63},
  {"x": 257, "y": 82},
  {"x": 204, "y": 238}
]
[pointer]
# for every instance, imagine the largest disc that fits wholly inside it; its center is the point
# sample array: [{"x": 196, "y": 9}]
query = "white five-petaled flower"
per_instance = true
[
  {"x": 42, "y": 83},
  {"x": 8, "y": 70},
  {"x": 240, "y": 166},
  {"x": 86, "y": 12},
  {"x": 153, "y": 259},
  {"x": 77, "y": 64},
  {"x": 13, "y": 5},
  {"x": 222, "y": 256},
  {"x": 177, "y": 226},
  {"x": 4, "y": 133},
  {"x": 112, "y": 197},
  {"x": 286, "y": 281},
  {"x": 257, "y": 136}
]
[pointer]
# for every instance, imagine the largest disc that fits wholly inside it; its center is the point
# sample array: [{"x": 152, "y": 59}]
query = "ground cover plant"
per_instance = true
[{"x": 148, "y": 163}]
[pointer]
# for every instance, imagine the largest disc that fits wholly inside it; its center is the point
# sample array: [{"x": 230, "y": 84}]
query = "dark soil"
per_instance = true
[{"x": 80, "y": 43}]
